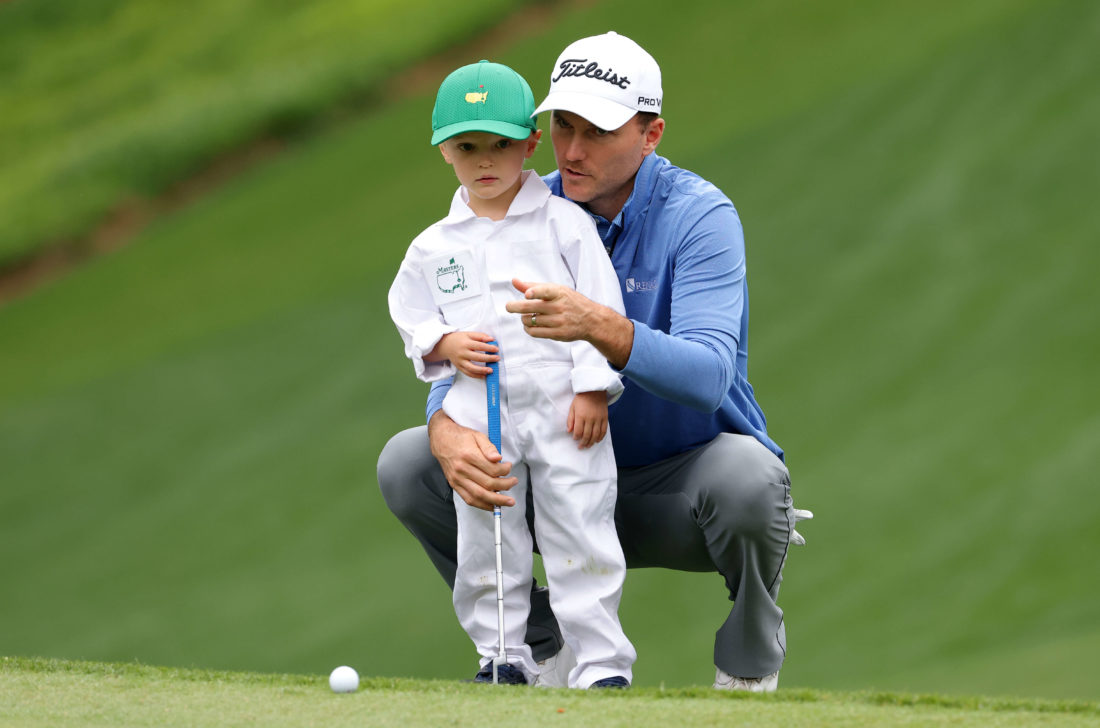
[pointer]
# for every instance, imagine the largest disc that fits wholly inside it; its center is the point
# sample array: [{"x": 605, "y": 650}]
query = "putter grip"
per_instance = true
[{"x": 492, "y": 401}]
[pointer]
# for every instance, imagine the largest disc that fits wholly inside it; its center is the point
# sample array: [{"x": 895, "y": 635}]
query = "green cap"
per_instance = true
[{"x": 485, "y": 97}]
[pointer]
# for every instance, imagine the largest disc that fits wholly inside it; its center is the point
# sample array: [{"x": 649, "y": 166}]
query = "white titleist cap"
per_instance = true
[{"x": 606, "y": 79}]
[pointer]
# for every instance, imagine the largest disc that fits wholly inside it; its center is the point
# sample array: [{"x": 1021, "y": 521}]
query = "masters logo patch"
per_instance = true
[{"x": 451, "y": 277}]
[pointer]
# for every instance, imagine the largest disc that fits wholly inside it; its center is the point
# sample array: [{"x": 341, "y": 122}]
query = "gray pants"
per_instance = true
[{"x": 724, "y": 507}]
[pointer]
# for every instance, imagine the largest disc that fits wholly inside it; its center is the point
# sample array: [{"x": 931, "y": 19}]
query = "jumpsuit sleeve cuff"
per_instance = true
[
  {"x": 424, "y": 339},
  {"x": 597, "y": 379}
]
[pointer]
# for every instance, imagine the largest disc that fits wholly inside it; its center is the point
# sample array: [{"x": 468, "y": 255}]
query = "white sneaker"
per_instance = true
[
  {"x": 766, "y": 684},
  {"x": 554, "y": 671}
]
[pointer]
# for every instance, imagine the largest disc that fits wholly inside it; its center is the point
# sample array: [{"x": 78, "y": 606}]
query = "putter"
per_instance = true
[{"x": 492, "y": 397}]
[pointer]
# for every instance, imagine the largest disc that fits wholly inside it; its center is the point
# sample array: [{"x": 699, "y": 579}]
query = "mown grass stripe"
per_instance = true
[{"x": 43, "y": 666}]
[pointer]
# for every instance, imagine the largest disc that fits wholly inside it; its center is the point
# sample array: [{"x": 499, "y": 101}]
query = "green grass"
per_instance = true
[
  {"x": 48, "y": 692},
  {"x": 105, "y": 101},
  {"x": 189, "y": 427},
  {"x": 946, "y": 242}
]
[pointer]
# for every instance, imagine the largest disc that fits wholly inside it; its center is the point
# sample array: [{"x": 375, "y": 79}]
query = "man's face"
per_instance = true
[{"x": 598, "y": 165}]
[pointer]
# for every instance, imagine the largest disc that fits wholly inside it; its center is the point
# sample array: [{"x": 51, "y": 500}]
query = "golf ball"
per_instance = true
[{"x": 344, "y": 680}]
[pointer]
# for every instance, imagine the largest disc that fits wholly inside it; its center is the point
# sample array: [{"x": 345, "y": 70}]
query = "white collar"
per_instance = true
[{"x": 532, "y": 195}]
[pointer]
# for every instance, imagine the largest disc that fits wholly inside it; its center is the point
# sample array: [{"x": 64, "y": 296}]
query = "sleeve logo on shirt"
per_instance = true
[
  {"x": 451, "y": 278},
  {"x": 636, "y": 286}
]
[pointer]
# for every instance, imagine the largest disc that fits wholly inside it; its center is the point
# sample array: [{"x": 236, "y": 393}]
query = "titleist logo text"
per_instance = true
[{"x": 582, "y": 67}]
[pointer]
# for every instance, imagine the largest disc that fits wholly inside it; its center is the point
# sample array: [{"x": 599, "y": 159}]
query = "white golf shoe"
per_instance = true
[
  {"x": 767, "y": 684},
  {"x": 554, "y": 671}
]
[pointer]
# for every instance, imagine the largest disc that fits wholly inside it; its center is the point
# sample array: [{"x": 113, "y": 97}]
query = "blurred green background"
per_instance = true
[{"x": 189, "y": 426}]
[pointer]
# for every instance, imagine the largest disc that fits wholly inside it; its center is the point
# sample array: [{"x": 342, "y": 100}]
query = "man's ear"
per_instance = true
[
  {"x": 653, "y": 134},
  {"x": 446, "y": 154},
  {"x": 532, "y": 143}
]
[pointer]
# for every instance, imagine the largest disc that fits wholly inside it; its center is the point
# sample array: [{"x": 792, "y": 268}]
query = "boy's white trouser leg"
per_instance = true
[
  {"x": 574, "y": 499},
  {"x": 475, "y": 592},
  {"x": 585, "y": 568}
]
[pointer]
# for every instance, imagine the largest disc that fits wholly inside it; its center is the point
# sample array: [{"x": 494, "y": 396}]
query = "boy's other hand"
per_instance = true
[
  {"x": 588, "y": 418},
  {"x": 469, "y": 351},
  {"x": 471, "y": 463}
]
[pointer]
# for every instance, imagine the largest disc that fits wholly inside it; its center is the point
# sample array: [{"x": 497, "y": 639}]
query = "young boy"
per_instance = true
[{"x": 448, "y": 304}]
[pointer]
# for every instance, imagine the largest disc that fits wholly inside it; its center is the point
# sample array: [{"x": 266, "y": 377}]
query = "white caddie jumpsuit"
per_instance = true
[{"x": 457, "y": 276}]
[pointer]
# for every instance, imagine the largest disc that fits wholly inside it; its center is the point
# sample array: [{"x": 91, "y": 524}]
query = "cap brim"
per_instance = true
[
  {"x": 605, "y": 114},
  {"x": 502, "y": 128}
]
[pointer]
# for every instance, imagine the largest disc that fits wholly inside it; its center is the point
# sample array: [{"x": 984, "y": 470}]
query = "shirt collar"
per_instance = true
[{"x": 533, "y": 194}]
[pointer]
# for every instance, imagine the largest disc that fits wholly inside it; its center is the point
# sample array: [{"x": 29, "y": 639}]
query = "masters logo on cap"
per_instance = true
[
  {"x": 483, "y": 96},
  {"x": 606, "y": 79}
]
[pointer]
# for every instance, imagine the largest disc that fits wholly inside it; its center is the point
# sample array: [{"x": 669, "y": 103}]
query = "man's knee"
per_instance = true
[
  {"x": 403, "y": 470},
  {"x": 748, "y": 485}
]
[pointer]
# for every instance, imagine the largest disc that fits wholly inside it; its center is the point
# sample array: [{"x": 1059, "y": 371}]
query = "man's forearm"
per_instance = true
[
  {"x": 441, "y": 431},
  {"x": 611, "y": 334},
  {"x": 438, "y": 421}
]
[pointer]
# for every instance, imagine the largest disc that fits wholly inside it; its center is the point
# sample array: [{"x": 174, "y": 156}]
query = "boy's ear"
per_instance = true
[
  {"x": 446, "y": 154},
  {"x": 532, "y": 143}
]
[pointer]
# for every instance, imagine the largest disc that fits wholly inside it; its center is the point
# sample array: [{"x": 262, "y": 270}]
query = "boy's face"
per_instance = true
[{"x": 486, "y": 164}]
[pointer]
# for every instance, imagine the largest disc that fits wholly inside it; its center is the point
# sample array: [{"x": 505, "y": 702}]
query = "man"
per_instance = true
[{"x": 701, "y": 486}]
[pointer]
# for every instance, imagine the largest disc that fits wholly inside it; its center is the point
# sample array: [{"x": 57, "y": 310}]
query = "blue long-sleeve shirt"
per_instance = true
[{"x": 679, "y": 252}]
